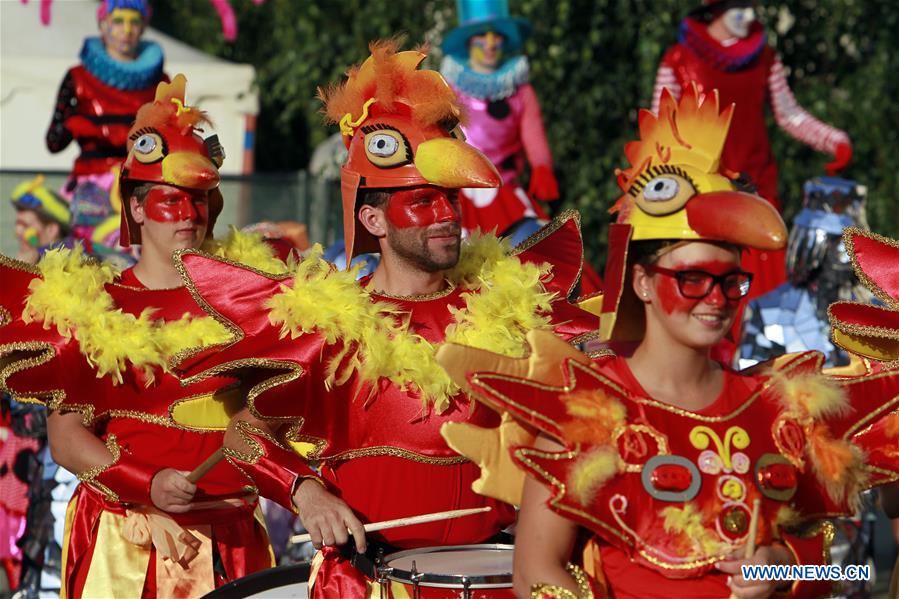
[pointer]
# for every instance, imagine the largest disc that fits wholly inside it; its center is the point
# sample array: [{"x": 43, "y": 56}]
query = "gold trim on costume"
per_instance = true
[
  {"x": 90, "y": 475},
  {"x": 549, "y": 591},
  {"x": 557, "y": 223},
  {"x": 419, "y": 297},
  {"x": 398, "y": 452},
  {"x": 849, "y": 242}
]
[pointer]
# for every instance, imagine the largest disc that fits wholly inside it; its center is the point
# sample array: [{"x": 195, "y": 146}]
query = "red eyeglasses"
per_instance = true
[{"x": 698, "y": 284}]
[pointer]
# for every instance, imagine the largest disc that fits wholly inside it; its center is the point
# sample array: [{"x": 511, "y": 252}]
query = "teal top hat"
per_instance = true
[{"x": 477, "y": 17}]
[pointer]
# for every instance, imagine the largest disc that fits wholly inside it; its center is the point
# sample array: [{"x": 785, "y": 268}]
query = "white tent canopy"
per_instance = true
[{"x": 34, "y": 59}]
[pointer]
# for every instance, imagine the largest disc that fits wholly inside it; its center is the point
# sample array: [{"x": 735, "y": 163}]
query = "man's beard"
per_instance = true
[{"x": 411, "y": 245}]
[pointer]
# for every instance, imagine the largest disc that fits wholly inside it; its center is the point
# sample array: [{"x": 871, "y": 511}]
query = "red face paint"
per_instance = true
[
  {"x": 167, "y": 204},
  {"x": 671, "y": 299},
  {"x": 421, "y": 207}
]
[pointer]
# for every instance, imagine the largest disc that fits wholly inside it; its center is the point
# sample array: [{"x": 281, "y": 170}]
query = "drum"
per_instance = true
[
  {"x": 451, "y": 572},
  {"x": 284, "y": 582}
]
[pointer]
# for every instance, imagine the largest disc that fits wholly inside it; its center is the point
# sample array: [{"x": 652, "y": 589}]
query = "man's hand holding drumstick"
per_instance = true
[{"x": 327, "y": 518}]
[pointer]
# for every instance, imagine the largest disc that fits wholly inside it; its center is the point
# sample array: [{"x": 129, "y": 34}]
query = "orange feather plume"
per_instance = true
[
  {"x": 837, "y": 465},
  {"x": 168, "y": 108},
  {"x": 595, "y": 417},
  {"x": 390, "y": 78}
]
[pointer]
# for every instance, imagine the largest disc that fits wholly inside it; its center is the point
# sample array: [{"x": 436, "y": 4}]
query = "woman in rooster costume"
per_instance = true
[
  {"x": 94, "y": 346},
  {"x": 344, "y": 370},
  {"x": 647, "y": 470},
  {"x": 722, "y": 46}
]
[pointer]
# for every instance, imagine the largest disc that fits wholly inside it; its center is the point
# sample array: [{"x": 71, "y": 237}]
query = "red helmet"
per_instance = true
[
  {"x": 164, "y": 147},
  {"x": 400, "y": 125}
]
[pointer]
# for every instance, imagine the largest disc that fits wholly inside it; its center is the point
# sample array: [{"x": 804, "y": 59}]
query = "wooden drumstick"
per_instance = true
[
  {"x": 422, "y": 519},
  {"x": 753, "y": 529},
  {"x": 210, "y": 462}
]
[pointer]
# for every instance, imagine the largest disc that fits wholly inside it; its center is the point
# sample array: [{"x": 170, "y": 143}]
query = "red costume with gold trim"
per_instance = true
[
  {"x": 354, "y": 369},
  {"x": 80, "y": 338},
  {"x": 667, "y": 492}
]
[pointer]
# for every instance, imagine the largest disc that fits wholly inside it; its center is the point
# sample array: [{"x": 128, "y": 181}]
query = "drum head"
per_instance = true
[
  {"x": 453, "y": 567},
  {"x": 287, "y": 582}
]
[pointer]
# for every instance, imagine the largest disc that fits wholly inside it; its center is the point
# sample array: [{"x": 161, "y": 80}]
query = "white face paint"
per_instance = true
[{"x": 739, "y": 20}]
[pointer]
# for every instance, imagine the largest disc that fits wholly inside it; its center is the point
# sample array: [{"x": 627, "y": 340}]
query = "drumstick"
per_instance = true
[
  {"x": 201, "y": 470},
  {"x": 422, "y": 519},
  {"x": 753, "y": 529}
]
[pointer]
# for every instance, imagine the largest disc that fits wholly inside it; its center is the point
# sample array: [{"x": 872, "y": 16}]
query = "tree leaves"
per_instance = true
[{"x": 593, "y": 63}]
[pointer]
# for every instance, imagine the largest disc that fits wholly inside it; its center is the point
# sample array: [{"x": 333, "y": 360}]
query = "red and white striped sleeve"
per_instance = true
[
  {"x": 795, "y": 120},
  {"x": 664, "y": 78}
]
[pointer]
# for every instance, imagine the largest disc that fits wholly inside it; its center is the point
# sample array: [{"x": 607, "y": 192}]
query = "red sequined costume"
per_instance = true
[
  {"x": 97, "y": 103},
  {"x": 352, "y": 369}
]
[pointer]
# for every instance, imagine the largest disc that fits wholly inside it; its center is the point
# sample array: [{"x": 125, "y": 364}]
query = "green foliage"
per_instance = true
[{"x": 593, "y": 64}]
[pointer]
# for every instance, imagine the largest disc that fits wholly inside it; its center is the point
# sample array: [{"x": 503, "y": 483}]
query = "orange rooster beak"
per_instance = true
[
  {"x": 453, "y": 164},
  {"x": 737, "y": 217},
  {"x": 190, "y": 170}
]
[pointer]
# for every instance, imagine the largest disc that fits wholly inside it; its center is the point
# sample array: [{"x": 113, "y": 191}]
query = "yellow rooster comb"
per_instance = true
[{"x": 690, "y": 132}]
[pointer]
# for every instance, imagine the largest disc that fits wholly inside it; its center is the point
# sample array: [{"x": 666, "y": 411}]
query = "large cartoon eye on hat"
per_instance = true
[
  {"x": 164, "y": 147},
  {"x": 386, "y": 147},
  {"x": 673, "y": 189},
  {"x": 400, "y": 125},
  {"x": 149, "y": 147}
]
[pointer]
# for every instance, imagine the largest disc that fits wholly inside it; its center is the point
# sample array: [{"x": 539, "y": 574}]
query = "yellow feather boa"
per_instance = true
[
  {"x": 70, "y": 295},
  {"x": 504, "y": 299}
]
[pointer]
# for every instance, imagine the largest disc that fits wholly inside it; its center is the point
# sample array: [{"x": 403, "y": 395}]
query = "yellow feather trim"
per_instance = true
[
  {"x": 688, "y": 522},
  {"x": 71, "y": 296},
  {"x": 504, "y": 299},
  {"x": 249, "y": 249},
  {"x": 811, "y": 395},
  {"x": 591, "y": 471},
  {"x": 786, "y": 517}
]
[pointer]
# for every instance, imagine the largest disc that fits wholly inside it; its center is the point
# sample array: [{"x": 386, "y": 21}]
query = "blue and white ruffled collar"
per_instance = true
[
  {"x": 509, "y": 77},
  {"x": 144, "y": 72}
]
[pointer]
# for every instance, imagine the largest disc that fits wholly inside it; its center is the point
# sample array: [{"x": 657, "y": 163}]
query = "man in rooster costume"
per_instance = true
[
  {"x": 348, "y": 366},
  {"x": 661, "y": 458},
  {"x": 722, "y": 46},
  {"x": 94, "y": 346}
]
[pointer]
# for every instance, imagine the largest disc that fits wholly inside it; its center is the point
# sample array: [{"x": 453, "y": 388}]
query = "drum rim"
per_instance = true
[
  {"x": 448, "y": 581},
  {"x": 261, "y": 581}
]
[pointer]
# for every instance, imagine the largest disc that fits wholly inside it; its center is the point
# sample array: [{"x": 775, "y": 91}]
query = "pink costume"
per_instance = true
[{"x": 503, "y": 118}]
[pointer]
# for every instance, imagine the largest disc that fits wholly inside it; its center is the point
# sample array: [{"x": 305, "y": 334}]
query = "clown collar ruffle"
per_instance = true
[
  {"x": 695, "y": 35},
  {"x": 144, "y": 72},
  {"x": 513, "y": 73}
]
